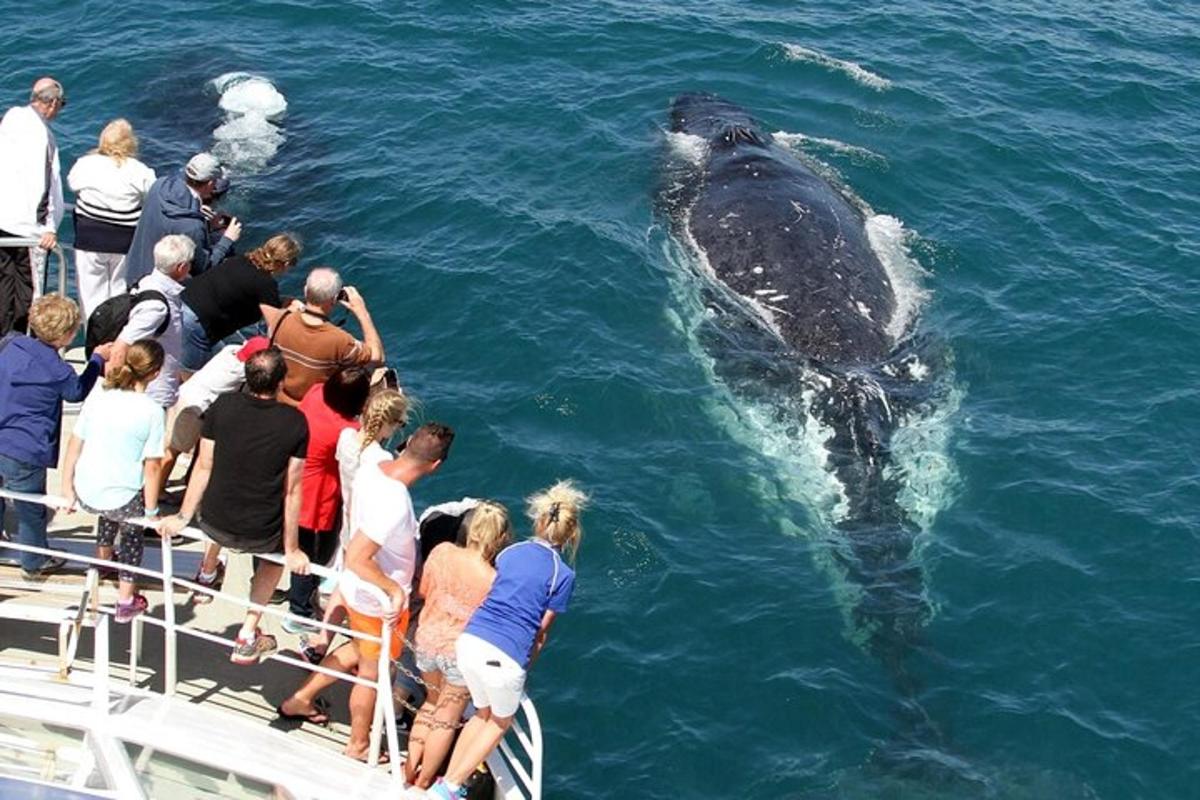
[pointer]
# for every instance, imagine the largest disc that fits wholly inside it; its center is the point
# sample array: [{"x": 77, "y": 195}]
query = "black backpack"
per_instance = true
[{"x": 106, "y": 322}]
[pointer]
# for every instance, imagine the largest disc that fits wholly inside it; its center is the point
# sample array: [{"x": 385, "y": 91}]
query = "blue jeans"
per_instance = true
[
  {"x": 18, "y": 476},
  {"x": 197, "y": 349}
]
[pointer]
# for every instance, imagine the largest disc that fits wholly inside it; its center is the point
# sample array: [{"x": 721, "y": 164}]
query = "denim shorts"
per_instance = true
[{"x": 431, "y": 662}]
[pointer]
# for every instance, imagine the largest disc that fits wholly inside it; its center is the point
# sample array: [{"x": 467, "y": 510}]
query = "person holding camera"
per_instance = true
[
  {"x": 313, "y": 347},
  {"x": 232, "y": 295},
  {"x": 175, "y": 204}
]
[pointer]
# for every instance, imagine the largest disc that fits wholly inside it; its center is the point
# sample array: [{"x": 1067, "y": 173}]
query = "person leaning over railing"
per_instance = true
[
  {"x": 246, "y": 488},
  {"x": 114, "y": 456},
  {"x": 110, "y": 185},
  {"x": 34, "y": 382},
  {"x": 454, "y": 581},
  {"x": 232, "y": 295},
  {"x": 175, "y": 204},
  {"x": 505, "y": 635},
  {"x": 383, "y": 556},
  {"x": 31, "y": 198}
]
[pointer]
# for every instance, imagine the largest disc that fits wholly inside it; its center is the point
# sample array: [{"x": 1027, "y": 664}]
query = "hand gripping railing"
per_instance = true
[{"x": 384, "y": 722}]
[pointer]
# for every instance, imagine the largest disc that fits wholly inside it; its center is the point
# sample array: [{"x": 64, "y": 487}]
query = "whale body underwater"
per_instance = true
[{"x": 794, "y": 258}]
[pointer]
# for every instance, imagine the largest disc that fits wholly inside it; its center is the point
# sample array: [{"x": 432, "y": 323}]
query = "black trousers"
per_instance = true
[
  {"x": 319, "y": 546},
  {"x": 16, "y": 287}
]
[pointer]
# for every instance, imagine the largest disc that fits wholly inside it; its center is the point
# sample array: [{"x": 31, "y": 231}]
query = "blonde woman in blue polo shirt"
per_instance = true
[{"x": 534, "y": 584}]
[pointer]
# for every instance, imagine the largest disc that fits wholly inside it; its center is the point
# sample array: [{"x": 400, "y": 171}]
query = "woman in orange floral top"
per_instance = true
[{"x": 454, "y": 581}]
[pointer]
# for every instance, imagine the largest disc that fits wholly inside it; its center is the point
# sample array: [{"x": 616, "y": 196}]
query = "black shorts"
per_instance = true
[{"x": 242, "y": 543}]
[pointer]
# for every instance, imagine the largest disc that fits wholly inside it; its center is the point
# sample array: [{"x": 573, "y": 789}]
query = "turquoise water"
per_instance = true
[{"x": 485, "y": 173}]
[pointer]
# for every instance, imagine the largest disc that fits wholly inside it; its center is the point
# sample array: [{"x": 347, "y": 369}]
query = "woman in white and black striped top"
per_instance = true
[{"x": 110, "y": 185}]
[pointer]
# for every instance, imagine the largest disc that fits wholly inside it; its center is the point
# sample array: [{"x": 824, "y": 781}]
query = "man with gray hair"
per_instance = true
[
  {"x": 31, "y": 199},
  {"x": 175, "y": 204},
  {"x": 172, "y": 260},
  {"x": 313, "y": 347}
]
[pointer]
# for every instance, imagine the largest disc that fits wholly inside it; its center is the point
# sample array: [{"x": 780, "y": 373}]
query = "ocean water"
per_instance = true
[{"x": 485, "y": 173}]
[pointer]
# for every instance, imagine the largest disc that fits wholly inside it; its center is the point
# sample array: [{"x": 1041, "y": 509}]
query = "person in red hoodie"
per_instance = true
[{"x": 329, "y": 408}]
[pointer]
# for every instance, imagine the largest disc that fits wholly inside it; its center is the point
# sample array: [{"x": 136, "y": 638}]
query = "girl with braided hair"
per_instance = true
[
  {"x": 385, "y": 414},
  {"x": 507, "y": 632},
  {"x": 113, "y": 461}
]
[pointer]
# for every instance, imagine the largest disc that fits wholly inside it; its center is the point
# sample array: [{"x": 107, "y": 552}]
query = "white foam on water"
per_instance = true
[
  {"x": 799, "y": 142},
  {"x": 862, "y": 75},
  {"x": 250, "y": 136},
  {"x": 688, "y": 146},
  {"x": 889, "y": 240}
]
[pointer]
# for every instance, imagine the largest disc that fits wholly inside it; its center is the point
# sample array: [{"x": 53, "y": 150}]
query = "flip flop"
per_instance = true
[{"x": 318, "y": 716}]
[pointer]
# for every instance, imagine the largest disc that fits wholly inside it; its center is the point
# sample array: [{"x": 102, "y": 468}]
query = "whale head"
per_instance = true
[{"x": 721, "y": 123}]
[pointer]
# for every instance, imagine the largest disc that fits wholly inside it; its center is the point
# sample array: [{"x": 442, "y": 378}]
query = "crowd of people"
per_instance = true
[{"x": 289, "y": 422}]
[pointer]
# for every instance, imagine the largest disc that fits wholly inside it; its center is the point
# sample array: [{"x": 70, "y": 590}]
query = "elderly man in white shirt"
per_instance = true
[
  {"x": 31, "y": 199},
  {"x": 172, "y": 262}
]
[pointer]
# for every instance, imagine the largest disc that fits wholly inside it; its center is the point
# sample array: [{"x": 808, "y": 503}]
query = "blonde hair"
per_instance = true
[
  {"x": 489, "y": 530},
  {"x": 388, "y": 407},
  {"x": 53, "y": 317},
  {"x": 276, "y": 254},
  {"x": 143, "y": 359},
  {"x": 117, "y": 141},
  {"x": 555, "y": 515}
]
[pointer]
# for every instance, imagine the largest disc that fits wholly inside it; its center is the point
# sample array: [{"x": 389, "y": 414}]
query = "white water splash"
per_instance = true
[
  {"x": 689, "y": 147},
  {"x": 889, "y": 240},
  {"x": 859, "y": 73},
  {"x": 801, "y": 143},
  {"x": 250, "y": 136}
]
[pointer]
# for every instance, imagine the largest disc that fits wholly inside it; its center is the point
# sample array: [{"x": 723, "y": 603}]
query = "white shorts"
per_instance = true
[{"x": 493, "y": 678}]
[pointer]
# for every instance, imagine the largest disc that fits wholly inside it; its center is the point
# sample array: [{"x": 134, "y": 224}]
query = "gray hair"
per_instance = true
[
  {"x": 172, "y": 250},
  {"x": 50, "y": 91},
  {"x": 322, "y": 286}
]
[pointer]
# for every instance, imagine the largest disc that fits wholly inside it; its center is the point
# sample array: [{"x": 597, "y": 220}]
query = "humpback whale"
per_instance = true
[{"x": 792, "y": 256}]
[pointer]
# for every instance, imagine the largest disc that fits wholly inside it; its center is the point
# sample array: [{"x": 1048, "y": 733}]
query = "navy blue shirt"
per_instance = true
[
  {"x": 34, "y": 382},
  {"x": 531, "y": 578}
]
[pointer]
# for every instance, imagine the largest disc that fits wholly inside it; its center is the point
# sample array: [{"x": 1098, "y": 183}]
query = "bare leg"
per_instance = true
[
  {"x": 343, "y": 659},
  {"x": 362, "y": 707},
  {"x": 446, "y": 717},
  {"x": 421, "y": 727},
  {"x": 471, "y": 751},
  {"x": 335, "y": 612},
  {"x": 212, "y": 552},
  {"x": 265, "y": 579}
]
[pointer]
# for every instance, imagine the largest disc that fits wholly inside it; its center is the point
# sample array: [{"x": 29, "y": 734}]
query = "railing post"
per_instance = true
[{"x": 170, "y": 675}]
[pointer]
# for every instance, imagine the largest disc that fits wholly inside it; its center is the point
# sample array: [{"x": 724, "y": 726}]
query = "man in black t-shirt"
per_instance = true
[{"x": 246, "y": 486}]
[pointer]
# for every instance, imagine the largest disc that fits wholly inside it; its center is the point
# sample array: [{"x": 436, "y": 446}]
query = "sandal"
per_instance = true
[{"x": 318, "y": 716}]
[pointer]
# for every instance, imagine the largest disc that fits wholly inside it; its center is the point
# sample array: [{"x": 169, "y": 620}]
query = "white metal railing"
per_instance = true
[
  {"x": 528, "y": 736},
  {"x": 39, "y": 283}
]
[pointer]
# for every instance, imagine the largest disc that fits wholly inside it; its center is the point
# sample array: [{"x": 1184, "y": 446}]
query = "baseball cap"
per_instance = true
[
  {"x": 204, "y": 167},
  {"x": 255, "y": 344}
]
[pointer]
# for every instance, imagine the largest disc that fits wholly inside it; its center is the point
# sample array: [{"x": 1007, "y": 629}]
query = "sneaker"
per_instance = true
[
  {"x": 127, "y": 611},
  {"x": 49, "y": 566},
  {"x": 298, "y": 627},
  {"x": 442, "y": 791},
  {"x": 252, "y": 652},
  {"x": 200, "y": 598}
]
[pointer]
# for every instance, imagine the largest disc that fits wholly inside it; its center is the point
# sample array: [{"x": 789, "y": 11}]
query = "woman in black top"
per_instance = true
[{"x": 228, "y": 297}]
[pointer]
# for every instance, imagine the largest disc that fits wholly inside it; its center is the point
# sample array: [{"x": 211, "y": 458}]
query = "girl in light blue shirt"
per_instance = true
[{"x": 114, "y": 457}]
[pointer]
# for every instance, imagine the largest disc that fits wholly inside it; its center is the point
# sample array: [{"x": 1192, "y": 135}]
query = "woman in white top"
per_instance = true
[
  {"x": 113, "y": 459},
  {"x": 385, "y": 414},
  {"x": 110, "y": 185}
]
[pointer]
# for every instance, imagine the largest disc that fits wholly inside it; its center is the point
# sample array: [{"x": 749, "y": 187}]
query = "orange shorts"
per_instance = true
[{"x": 361, "y": 623}]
